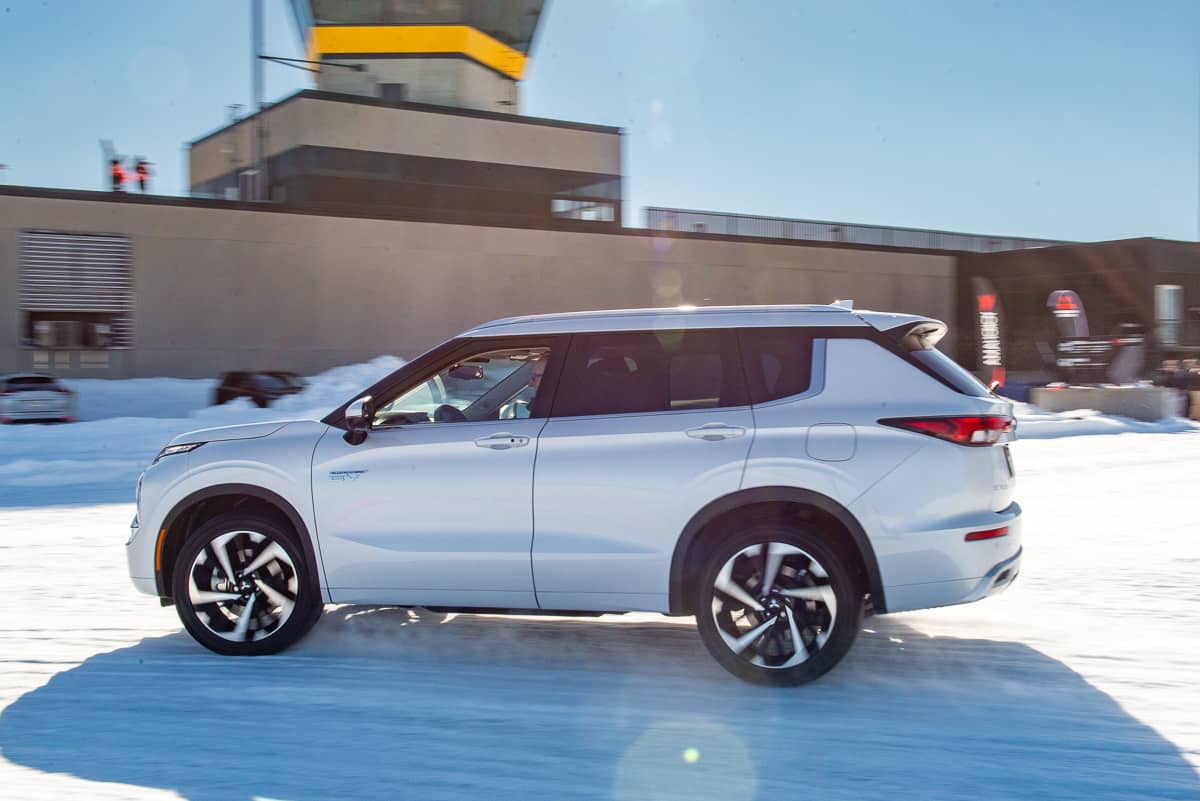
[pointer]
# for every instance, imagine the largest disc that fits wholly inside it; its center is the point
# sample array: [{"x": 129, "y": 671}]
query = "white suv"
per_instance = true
[{"x": 775, "y": 471}]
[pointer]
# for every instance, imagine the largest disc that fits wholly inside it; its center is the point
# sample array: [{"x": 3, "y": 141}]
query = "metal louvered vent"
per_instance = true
[{"x": 79, "y": 274}]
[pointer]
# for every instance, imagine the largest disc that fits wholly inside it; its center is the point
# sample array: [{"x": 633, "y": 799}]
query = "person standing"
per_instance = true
[
  {"x": 118, "y": 175},
  {"x": 142, "y": 170}
]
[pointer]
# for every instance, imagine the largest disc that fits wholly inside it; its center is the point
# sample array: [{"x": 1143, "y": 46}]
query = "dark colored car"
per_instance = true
[{"x": 263, "y": 387}]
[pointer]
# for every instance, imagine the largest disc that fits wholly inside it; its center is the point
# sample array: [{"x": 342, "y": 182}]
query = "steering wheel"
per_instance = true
[{"x": 448, "y": 414}]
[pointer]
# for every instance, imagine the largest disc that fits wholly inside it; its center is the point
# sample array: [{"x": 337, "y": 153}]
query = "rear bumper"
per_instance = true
[
  {"x": 47, "y": 413},
  {"x": 998, "y": 579},
  {"x": 964, "y": 571}
]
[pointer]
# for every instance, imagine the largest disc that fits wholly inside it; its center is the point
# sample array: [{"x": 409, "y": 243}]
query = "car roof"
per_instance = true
[
  {"x": 692, "y": 317},
  {"x": 11, "y": 376}
]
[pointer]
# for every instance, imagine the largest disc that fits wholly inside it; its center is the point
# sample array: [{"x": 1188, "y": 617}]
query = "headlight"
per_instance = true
[{"x": 171, "y": 450}]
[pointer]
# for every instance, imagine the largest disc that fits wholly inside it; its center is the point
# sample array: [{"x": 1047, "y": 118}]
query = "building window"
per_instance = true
[
  {"x": 76, "y": 291},
  {"x": 597, "y": 210}
]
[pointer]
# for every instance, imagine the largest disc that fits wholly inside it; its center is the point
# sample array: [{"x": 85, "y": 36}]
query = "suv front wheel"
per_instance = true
[
  {"x": 241, "y": 588},
  {"x": 776, "y": 604}
]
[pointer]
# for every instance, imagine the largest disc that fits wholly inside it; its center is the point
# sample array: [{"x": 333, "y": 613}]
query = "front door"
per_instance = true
[{"x": 435, "y": 506}]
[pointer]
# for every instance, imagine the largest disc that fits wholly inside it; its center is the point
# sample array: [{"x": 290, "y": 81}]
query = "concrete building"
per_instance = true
[
  {"x": 354, "y": 154},
  {"x": 106, "y": 285},
  {"x": 1153, "y": 284}
]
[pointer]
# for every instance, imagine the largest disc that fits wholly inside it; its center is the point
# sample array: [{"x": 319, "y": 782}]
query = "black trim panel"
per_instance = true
[{"x": 746, "y": 497}]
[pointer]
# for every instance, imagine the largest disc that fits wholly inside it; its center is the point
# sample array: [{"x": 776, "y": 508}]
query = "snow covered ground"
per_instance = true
[{"x": 1081, "y": 682}]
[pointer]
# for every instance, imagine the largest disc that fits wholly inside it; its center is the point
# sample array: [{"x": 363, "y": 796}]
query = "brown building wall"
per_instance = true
[
  {"x": 220, "y": 288},
  {"x": 311, "y": 118},
  {"x": 1115, "y": 281}
]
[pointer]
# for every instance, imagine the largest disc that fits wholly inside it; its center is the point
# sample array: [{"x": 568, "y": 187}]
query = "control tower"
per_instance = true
[{"x": 462, "y": 53}]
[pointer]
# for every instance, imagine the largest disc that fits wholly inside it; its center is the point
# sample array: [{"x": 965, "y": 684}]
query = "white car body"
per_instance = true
[
  {"x": 597, "y": 513},
  {"x": 21, "y": 399}
]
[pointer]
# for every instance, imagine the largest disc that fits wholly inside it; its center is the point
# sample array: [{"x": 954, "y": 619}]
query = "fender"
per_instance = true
[
  {"x": 310, "y": 557},
  {"x": 746, "y": 497}
]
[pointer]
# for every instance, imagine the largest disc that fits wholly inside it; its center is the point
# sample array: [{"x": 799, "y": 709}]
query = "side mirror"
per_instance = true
[{"x": 359, "y": 415}]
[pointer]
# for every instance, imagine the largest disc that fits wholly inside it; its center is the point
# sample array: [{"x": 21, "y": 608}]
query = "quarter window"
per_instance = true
[
  {"x": 778, "y": 362},
  {"x": 623, "y": 373}
]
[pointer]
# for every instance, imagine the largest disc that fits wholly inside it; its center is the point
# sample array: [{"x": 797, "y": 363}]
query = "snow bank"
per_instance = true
[
  {"x": 1035, "y": 423},
  {"x": 101, "y": 398},
  {"x": 125, "y": 423}
]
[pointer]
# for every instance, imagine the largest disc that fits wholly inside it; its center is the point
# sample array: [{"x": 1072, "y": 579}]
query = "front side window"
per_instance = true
[
  {"x": 498, "y": 384},
  {"x": 649, "y": 371}
]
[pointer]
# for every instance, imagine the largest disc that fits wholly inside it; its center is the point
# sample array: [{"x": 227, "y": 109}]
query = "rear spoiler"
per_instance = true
[{"x": 906, "y": 330}]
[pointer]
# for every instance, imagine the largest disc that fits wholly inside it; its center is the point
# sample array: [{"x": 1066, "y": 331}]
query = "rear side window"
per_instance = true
[
  {"x": 778, "y": 362},
  {"x": 650, "y": 371},
  {"x": 951, "y": 372},
  {"x": 270, "y": 382}
]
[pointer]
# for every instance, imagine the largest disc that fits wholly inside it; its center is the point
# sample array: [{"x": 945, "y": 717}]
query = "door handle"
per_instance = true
[
  {"x": 714, "y": 432},
  {"x": 502, "y": 441}
]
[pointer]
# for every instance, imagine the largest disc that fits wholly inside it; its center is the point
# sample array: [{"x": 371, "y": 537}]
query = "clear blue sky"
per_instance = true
[{"x": 1075, "y": 119}]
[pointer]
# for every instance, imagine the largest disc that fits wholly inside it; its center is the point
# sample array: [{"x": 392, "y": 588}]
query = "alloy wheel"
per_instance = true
[
  {"x": 242, "y": 586},
  {"x": 773, "y": 605}
]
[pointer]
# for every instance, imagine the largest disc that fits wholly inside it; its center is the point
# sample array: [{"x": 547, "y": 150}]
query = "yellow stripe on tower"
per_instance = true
[{"x": 332, "y": 40}]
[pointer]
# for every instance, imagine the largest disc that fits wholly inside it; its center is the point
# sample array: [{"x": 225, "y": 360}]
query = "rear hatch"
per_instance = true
[
  {"x": 37, "y": 396},
  {"x": 976, "y": 420}
]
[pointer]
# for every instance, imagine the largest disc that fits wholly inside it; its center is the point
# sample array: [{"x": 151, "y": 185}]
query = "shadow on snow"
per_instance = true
[{"x": 389, "y": 703}]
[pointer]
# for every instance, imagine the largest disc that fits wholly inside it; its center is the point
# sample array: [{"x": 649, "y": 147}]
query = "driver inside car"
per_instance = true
[{"x": 518, "y": 406}]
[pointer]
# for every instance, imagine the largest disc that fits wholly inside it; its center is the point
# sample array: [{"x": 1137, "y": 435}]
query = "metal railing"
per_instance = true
[{"x": 663, "y": 219}]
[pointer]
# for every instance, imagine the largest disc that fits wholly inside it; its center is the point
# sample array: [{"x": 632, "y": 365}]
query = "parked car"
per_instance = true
[
  {"x": 35, "y": 396},
  {"x": 263, "y": 387},
  {"x": 777, "y": 472}
]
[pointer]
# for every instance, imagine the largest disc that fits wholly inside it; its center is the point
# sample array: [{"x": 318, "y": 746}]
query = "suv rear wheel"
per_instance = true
[
  {"x": 241, "y": 587},
  {"x": 777, "y": 604}
]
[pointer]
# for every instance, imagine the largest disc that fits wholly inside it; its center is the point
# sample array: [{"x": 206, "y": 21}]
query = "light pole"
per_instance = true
[{"x": 256, "y": 87}]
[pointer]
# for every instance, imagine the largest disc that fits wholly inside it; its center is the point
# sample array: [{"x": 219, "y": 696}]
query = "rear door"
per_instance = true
[{"x": 646, "y": 428}]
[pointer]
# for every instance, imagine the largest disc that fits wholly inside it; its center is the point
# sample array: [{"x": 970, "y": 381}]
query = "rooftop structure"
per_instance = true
[
  {"x": 464, "y": 53},
  {"x": 663, "y": 219}
]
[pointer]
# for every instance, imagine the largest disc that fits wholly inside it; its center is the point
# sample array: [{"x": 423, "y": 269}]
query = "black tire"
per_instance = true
[
  {"x": 722, "y": 617},
  {"x": 215, "y": 624}
]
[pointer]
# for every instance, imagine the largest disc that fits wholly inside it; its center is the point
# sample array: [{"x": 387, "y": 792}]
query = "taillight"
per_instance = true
[
  {"x": 990, "y": 534},
  {"x": 970, "y": 431}
]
